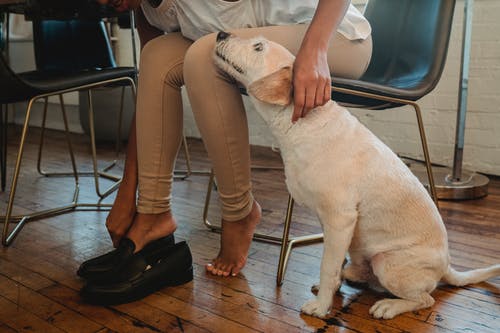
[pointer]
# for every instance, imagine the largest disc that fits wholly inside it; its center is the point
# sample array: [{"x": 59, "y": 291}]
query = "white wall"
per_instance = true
[
  {"x": 482, "y": 136},
  {"x": 397, "y": 127}
]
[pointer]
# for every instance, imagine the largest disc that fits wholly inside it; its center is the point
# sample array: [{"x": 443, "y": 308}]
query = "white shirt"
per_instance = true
[{"x": 196, "y": 18}]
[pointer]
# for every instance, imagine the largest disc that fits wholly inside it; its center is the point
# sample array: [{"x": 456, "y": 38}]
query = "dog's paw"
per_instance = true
[
  {"x": 386, "y": 308},
  {"x": 315, "y": 308}
]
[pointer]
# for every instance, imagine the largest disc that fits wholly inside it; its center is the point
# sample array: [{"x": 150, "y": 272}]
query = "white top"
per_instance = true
[{"x": 196, "y": 18}]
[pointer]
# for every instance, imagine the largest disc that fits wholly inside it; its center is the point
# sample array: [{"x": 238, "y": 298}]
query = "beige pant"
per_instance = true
[{"x": 170, "y": 61}]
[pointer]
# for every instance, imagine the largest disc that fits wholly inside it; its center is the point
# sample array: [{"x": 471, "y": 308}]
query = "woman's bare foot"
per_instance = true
[
  {"x": 236, "y": 239},
  {"x": 149, "y": 227},
  {"x": 122, "y": 213}
]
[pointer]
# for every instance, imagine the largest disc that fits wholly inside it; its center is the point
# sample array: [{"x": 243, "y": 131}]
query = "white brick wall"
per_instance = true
[
  {"x": 482, "y": 141},
  {"x": 397, "y": 127}
]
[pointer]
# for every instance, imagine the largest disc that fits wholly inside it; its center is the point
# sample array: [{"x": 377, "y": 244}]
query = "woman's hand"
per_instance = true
[
  {"x": 311, "y": 81},
  {"x": 311, "y": 75}
]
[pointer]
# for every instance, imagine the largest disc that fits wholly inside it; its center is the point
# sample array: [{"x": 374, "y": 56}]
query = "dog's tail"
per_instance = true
[{"x": 474, "y": 276}]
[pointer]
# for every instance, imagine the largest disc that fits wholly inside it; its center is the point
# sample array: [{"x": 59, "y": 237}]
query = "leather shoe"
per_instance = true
[
  {"x": 106, "y": 266},
  {"x": 174, "y": 269}
]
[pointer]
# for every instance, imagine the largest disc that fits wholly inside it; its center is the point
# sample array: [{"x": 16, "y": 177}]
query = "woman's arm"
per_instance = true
[
  {"x": 311, "y": 74},
  {"x": 145, "y": 30}
]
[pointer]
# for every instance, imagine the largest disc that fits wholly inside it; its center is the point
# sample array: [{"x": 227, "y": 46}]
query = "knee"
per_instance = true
[
  {"x": 152, "y": 52},
  {"x": 199, "y": 57},
  {"x": 164, "y": 50}
]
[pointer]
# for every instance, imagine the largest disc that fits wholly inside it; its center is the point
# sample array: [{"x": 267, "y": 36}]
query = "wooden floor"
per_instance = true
[{"x": 39, "y": 288}]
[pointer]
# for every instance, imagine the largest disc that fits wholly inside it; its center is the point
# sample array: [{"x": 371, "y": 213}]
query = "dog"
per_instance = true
[{"x": 369, "y": 203}]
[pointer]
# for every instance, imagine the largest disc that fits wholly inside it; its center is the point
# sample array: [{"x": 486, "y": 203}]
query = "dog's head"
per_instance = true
[{"x": 262, "y": 66}]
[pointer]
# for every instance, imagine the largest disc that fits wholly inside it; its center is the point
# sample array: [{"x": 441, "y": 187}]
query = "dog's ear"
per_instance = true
[{"x": 275, "y": 88}]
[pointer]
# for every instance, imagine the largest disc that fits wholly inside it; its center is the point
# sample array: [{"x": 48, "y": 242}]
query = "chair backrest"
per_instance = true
[
  {"x": 1, "y": 30},
  {"x": 410, "y": 42},
  {"x": 12, "y": 88},
  {"x": 71, "y": 45}
]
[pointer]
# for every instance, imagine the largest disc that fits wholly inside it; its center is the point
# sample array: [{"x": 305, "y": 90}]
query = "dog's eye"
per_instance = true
[{"x": 258, "y": 47}]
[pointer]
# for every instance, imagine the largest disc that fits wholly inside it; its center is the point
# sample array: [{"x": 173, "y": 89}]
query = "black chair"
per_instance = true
[
  {"x": 410, "y": 39},
  {"x": 3, "y": 113},
  {"x": 68, "y": 46},
  {"x": 410, "y": 44},
  {"x": 71, "y": 72}
]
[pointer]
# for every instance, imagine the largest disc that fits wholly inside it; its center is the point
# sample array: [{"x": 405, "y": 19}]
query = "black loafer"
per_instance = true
[
  {"x": 105, "y": 267},
  {"x": 172, "y": 270}
]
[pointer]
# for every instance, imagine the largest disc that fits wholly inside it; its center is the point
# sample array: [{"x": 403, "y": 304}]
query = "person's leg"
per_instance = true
[
  {"x": 346, "y": 58},
  {"x": 159, "y": 134},
  {"x": 220, "y": 115},
  {"x": 123, "y": 210}
]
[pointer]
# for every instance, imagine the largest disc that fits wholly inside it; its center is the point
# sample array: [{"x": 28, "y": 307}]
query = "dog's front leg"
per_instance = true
[{"x": 337, "y": 230}]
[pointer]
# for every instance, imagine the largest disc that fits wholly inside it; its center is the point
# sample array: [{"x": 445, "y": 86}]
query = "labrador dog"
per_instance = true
[{"x": 369, "y": 203}]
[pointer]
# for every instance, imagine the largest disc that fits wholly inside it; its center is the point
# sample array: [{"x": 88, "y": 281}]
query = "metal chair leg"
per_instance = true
[
  {"x": 3, "y": 139},
  {"x": 119, "y": 125},
  {"x": 428, "y": 164},
  {"x": 425, "y": 149},
  {"x": 40, "y": 170},
  {"x": 287, "y": 243},
  {"x": 8, "y": 237},
  {"x": 96, "y": 173},
  {"x": 183, "y": 174}
]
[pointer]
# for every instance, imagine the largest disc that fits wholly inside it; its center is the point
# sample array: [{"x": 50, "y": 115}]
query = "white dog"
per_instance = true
[{"x": 367, "y": 200}]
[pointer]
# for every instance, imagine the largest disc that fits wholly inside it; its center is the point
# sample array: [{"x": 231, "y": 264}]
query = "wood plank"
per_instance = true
[
  {"x": 112, "y": 318},
  {"x": 40, "y": 266},
  {"x": 58, "y": 316},
  {"x": 21, "y": 320}
]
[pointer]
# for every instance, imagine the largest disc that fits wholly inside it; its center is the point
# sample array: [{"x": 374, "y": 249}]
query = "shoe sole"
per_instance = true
[{"x": 137, "y": 292}]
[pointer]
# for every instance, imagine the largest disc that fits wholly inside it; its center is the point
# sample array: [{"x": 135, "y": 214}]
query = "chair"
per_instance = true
[
  {"x": 410, "y": 44},
  {"x": 409, "y": 55},
  {"x": 75, "y": 74},
  {"x": 66, "y": 46},
  {"x": 4, "y": 31}
]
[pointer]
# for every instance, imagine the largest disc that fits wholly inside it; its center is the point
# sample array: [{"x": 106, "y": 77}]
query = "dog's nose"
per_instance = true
[{"x": 222, "y": 35}]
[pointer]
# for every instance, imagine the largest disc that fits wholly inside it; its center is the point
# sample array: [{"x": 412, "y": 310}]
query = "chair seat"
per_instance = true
[
  {"x": 403, "y": 89},
  {"x": 50, "y": 81}
]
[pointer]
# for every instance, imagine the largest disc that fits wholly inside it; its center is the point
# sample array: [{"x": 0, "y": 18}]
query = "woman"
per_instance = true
[{"x": 328, "y": 38}]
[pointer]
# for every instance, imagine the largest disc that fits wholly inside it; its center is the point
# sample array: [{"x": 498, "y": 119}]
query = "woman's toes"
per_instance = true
[
  {"x": 235, "y": 271},
  {"x": 217, "y": 269},
  {"x": 226, "y": 270},
  {"x": 209, "y": 267}
]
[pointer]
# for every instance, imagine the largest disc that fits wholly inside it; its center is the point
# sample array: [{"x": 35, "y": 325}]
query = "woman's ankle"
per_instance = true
[
  {"x": 127, "y": 191},
  {"x": 236, "y": 239},
  {"x": 149, "y": 227}
]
